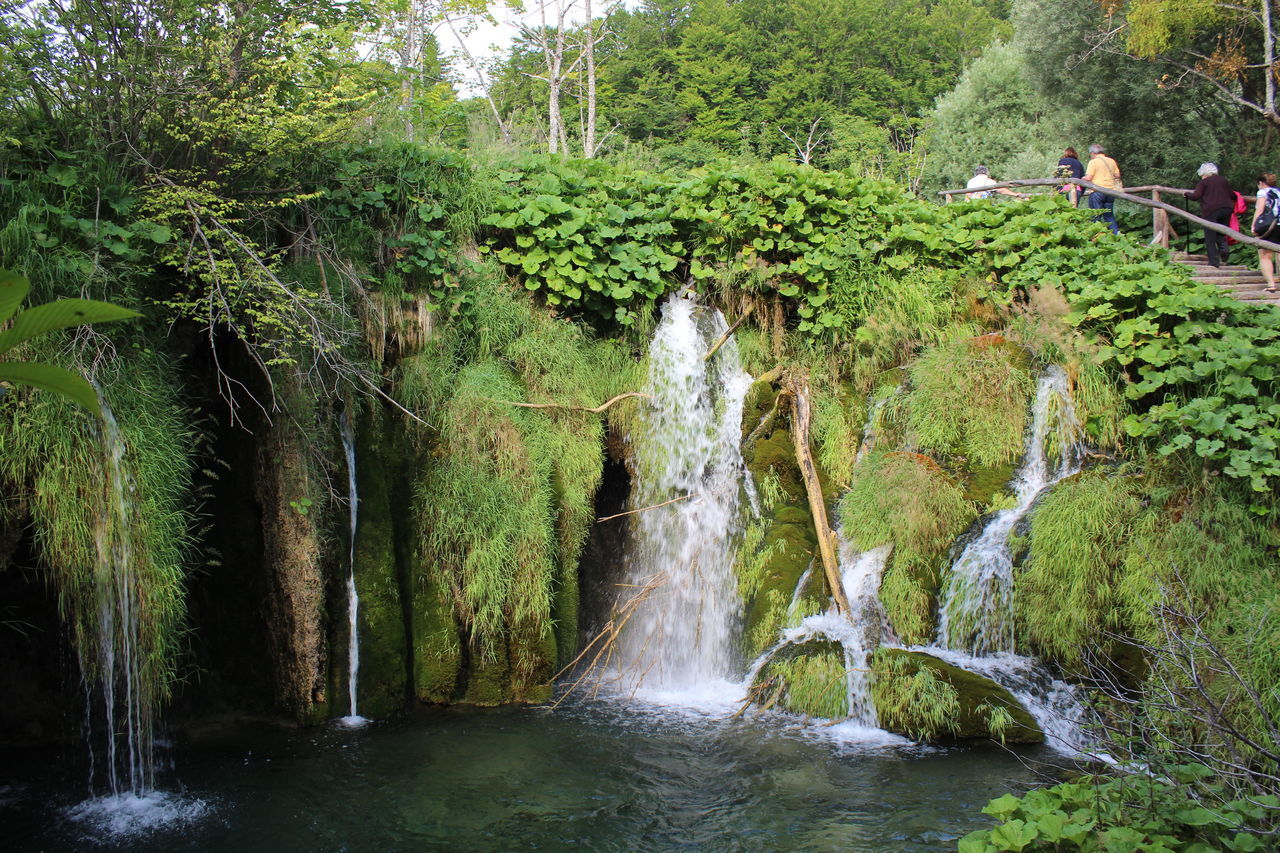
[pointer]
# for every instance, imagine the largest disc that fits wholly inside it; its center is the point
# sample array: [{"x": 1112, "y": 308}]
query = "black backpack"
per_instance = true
[{"x": 1270, "y": 213}]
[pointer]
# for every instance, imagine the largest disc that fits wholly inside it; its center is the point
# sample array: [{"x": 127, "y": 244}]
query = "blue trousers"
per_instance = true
[{"x": 1107, "y": 204}]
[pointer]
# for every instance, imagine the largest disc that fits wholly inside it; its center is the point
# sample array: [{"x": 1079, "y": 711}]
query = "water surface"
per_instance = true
[{"x": 594, "y": 776}]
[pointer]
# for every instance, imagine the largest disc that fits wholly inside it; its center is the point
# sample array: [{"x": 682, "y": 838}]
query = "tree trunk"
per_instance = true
[{"x": 589, "y": 132}]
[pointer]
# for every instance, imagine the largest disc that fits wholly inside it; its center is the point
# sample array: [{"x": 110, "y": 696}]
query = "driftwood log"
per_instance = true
[{"x": 797, "y": 389}]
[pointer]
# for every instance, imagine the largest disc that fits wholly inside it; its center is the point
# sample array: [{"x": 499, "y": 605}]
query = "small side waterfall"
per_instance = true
[
  {"x": 111, "y": 648},
  {"x": 860, "y": 575},
  {"x": 680, "y": 637},
  {"x": 129, "y": 759},
  {"x": 353, "y": 598},
  {"x": 977, "y": 601},
  {"x": 1055, "y": 705}
]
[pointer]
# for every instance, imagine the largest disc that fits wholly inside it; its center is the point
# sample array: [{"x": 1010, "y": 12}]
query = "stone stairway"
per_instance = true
[{"x": 1241, "y": 282}]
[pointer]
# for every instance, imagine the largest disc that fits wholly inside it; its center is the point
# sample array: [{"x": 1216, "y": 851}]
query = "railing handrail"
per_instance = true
[{"x": 1127, "y": 195}]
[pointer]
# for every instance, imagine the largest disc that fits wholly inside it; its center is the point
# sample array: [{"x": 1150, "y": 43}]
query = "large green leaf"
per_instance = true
[
  {"x": 60, "y": 315},
  {"x": 51, "y": 378},
  {"x": 13, "y": 289}
]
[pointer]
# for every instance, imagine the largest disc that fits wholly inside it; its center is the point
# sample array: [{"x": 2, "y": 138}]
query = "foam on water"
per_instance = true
[{"x": 121, "y": 816}]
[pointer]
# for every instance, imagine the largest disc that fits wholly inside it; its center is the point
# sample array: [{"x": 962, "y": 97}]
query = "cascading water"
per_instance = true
[
  {"x": 977, "y": 601},
  {"x": 680, "y": 638},
  {"x": 111, "y": 663},
  {"x": 129, "y": 765},
  {"x": 353, "y": 598},
  {"x": 860, "y": 575}
]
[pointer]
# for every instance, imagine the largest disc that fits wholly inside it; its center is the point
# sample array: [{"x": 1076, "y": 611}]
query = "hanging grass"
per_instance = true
[
  {"x": 1066, "y": 591},
  {"x": 509, "y": 497},
  {"x": 94, "y": 541},
  {"x": 969, "y": 397},
  {"x": 908, "y": 500},
  {"x": 810, "y": 679}
]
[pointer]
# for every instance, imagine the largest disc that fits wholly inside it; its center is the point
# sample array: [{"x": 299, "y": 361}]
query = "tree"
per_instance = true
[{"x": 1229, "y": 45}]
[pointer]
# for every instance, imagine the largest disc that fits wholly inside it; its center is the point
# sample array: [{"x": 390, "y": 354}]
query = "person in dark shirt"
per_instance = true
[
  {"x": 1070, "y": 167},
  {"x": 1216, "y": 203}
]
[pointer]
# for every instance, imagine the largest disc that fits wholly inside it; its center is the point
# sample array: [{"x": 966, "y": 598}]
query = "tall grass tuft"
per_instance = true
[
  {"x": 908, "y": 500},
  {"x": 970, "y": 397}
]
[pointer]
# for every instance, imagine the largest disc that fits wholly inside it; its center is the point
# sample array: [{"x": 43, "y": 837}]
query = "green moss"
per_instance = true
[
  {"x": 777, "y": 547},
  {"x": 809, "y": 679},
  {"x": 383, "y": 641},
  {"x": 437, "y": 650},
  {"x": 925, "y": 698},
  {"x": 969, "y": 398},
  {"x": 906, "y": 499}
]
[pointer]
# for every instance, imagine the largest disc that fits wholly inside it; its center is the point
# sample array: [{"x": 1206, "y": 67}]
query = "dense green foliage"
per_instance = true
[
  {"x": 1134, "y": 812},
  {"x": 711, "y": 78},
  {"x": 506, "y": 505},
  {"x": 906, "y": 499}
]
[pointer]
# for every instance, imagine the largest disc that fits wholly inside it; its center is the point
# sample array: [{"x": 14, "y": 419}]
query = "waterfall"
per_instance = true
[
  {"x": 125, "y": 703},
  {"x": 860, "y": 575},
  {"x": 679, "y": 574},
  {"x": 111, "y": 649},
  {"x": 977, "y": 601},
  {"x": 353, "y": 599}
]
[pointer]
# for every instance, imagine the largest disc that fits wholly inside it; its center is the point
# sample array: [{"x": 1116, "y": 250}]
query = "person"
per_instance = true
[
  {"x": 1070, "y": 167},
  {"x": 1104, "y": 172},
  {"x": 982, "y": 179},
  {"x": 1217, "y": 200},
  {"x": 1266, "y": 257}
]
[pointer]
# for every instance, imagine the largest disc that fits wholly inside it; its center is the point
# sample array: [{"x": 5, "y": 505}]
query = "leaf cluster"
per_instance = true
[{"x": 1186, "y": 811}]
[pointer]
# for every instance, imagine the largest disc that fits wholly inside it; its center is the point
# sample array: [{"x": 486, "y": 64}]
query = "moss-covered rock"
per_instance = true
[
  {"x": 920, "y": 696},
  {"x": 806, "y": 678},
  {"x": 381, "y": 686},
  {"x": 781, "y": 544}
]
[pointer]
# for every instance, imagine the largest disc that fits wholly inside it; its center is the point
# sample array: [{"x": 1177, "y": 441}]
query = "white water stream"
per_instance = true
[
  {"x": 977, "y": 600},
  {"x": 353, "y": 719},
  {"x": 111, "y": 665},
  {"x": 679, "y": 644}
]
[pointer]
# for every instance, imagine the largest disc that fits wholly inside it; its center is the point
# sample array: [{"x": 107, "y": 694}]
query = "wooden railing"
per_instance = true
[{"x": 1160, "y": 224}]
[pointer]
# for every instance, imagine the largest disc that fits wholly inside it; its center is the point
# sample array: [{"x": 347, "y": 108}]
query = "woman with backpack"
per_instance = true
[{"x": 1265, "y": 225}]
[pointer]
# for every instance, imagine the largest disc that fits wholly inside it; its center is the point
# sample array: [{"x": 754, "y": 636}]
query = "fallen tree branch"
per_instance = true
[
  {"x": 800, "y": 418},
  {"x": 593, "y": 410},
  {"x": 645, "y": 508},
  {"x": 729, "y": 332}
]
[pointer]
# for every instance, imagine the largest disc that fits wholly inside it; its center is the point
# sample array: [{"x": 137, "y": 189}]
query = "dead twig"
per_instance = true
[
  {"x": 646, "y": 508},
  {"x": 593, "y": 410},
  {"x": 729, "y": 332}
]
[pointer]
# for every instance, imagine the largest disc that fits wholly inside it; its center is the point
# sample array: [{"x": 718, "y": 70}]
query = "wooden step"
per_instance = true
[{"x": 1222, "y": 271}]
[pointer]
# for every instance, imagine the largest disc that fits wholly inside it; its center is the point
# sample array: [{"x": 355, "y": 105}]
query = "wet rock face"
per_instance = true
[
  {"x": 291, "y": 555},
  {"x": 925, "y": 698}
]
